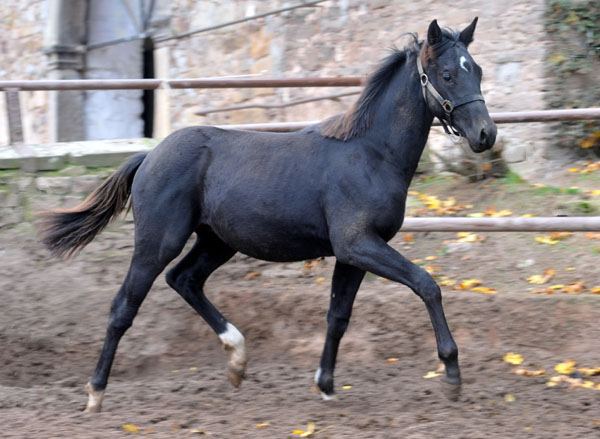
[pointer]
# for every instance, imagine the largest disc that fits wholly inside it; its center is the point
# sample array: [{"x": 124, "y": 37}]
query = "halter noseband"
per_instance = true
[{"x": 447, "y": 105}]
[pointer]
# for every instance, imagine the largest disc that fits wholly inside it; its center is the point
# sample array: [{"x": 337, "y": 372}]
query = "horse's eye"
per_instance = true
[{"x": 446, "y": 76}]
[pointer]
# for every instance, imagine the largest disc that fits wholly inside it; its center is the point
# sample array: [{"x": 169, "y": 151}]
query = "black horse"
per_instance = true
[{"x": 337, "y": 188}]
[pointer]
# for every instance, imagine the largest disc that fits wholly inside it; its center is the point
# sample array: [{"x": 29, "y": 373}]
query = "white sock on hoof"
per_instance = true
[
  {"x": 234, "y": 341},
  {"x": 324, "y": 395},
  {"x": 94, "y": 404}
]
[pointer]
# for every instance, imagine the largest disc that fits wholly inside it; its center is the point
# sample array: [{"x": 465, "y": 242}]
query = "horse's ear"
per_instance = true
[
  {"x": 434, "y": 34},
  {"x": 466, "y": 36}
]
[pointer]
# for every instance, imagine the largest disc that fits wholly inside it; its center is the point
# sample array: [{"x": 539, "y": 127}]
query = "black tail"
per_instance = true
[{"x": 66, "y": 231}]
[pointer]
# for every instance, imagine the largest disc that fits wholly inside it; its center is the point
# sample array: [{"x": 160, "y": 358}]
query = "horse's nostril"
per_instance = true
[{"x": 483, "y": 137}]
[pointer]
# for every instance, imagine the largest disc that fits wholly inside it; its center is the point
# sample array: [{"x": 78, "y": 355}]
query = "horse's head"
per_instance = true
[{"x": 451, "y": 80}]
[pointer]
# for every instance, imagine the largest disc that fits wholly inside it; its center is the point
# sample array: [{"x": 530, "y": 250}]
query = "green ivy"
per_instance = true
[{"x": 574, "y": 29}]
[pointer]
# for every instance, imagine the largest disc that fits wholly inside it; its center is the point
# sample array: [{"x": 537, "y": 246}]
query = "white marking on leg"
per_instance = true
[
  {"x": 95, "y": 397},
  {"x": 324, "y": 395},
  {"x": 234, "y": 341},
  {"x": 463, "y": 60}
]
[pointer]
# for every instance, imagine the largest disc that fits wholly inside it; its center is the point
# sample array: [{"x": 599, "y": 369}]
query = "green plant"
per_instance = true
[{"x": 573, "y": 61}]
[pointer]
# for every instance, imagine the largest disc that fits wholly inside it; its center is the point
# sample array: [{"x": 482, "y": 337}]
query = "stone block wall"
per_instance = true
[{"x": 333, "y": 38}]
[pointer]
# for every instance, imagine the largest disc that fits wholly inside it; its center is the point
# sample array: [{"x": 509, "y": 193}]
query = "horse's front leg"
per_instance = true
[
  {"x": 371, "y": 253},
  {"x": 345, "y": 283}
]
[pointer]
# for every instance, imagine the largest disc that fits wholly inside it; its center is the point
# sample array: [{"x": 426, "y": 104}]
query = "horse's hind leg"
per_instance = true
[
  {"x": 150, "y": 257},
  {"x": 188, "y": 278},
  {"x": 345, "y": 283}
]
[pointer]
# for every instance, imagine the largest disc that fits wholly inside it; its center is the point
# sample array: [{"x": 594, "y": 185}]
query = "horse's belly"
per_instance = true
[{"x": 274, "y": 239}]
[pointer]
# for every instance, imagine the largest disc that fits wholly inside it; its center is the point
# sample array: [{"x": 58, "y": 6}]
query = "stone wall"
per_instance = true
[
  {"x": 22, "y": 29},
  {"x": 336, "y": 37}
]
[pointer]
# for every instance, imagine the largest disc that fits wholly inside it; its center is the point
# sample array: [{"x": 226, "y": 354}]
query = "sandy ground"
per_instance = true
[{"x": 169, "y": 377}]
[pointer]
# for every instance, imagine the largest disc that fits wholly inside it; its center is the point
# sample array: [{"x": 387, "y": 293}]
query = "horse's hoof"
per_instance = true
[
  {"x": 236, "y": 376},
  {"x": 327, "y": 396},
  {"x": 451, "y": 388},
  {"x": 95, "y": 397}
]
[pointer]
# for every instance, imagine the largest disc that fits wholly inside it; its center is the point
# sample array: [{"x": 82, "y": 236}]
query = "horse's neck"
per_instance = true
[{"x": 403, "y": 122}]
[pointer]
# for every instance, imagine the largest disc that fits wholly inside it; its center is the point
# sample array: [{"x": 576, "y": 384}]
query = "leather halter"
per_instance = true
[{"x": 447, "y": 105}]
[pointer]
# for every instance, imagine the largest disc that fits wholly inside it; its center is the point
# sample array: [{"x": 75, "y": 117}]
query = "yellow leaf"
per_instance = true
[
  {"x": 346, "y": 387},
  {"x": 131, "y": 428},
  {"x": 264, "y": 424},
  {"x": 310, "y": 431},
  {"x": 595, "y": 290},
  {"x": 557, "y": 59},
  {"x": 252, "y": 275},
  {"x": 509, "y": 398},
  {"x": 467, "y": 283},
  {"x": 570, "y": 269},
  {"x": 574, "y": 287},
  {"x": 320, "y": 280},
  {"x": 430, "y": 258},
  {"x": 484, "y": 290},
  {"x": 408, "y": 237},
  {"x": 573, "y": 169},
  {"x": 528, "y": 373},
  {"x": 556, "y": 287},
  {"x": 415, "y": 193},
  {"x": 449, "y": 283},
  {"x": 392, "y": 360},
  {"x": 527, "y": 215},
  {"x": 589, "y": 371},
  {"x": 535, "y": 279},
  {"x": 543, "y": 239},
  {"x": 476, "y": 215},
  {"x": 193, "y": 430},
  {"x": 431, "y": 374},
  {"x": 588, "y": 384},
  {"x": 566, "y": 367},
  {"x": 297, "y": 431},
  {"x": 193, "y": 368},
  {"x": 513, "y": 358},
  {"x": 551, "y": 383},
  {"x": 504, "y": 212}
]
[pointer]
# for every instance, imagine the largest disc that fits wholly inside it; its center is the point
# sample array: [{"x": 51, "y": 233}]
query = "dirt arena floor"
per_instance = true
[{"x": 169, "y": 377}]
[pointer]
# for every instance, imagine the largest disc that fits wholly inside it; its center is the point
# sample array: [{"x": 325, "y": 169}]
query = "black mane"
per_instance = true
[{"x": 358, "y": 119}]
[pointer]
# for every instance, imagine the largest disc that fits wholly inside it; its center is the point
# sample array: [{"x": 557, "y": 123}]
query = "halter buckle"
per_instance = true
[
  {"x": 424, "y": 79},
  {"x": 447, "y": 106}
]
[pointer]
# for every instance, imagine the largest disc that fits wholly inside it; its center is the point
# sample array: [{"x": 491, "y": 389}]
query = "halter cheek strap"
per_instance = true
[{"x": 447, "y": 104}]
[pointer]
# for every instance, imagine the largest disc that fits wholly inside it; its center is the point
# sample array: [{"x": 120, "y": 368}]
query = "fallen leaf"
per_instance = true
[
  {"x": 430, "y": 258},
  {"x": 392, "y": 360},
  {"x": 449, "y": 283},
  {"x": 484, "y": 290},
  {"x": 595, "y": 290},
  {"x": 432, "y": 374},
  {"x": 590, "y": 371},
  {"x": 512, "y": 358},
  {"x": 131, "y": 428},
  {"x": 541, "y": 279},
  {"x": 309, "y": 432},
  {"x": 574, "y": 287},
  {"x": 509, "y": 398},
  {"x": 408, "y": 237},
  {"x": 543, "y": 239},
  {"x": 566, "y": 367},
  {"x": 346, "y": 387},
  {"x": 588, "y": 384},
  {"x": 252, "y": 275},
  {"x": 466, "y": 284},
  {"x": 264, "y": 424},
  {"x": 195, "y": 431},
  {"x": 193, "y": 368},
  {"x": 528, "y": 373},
  {"x": 320, "y": 280}
]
